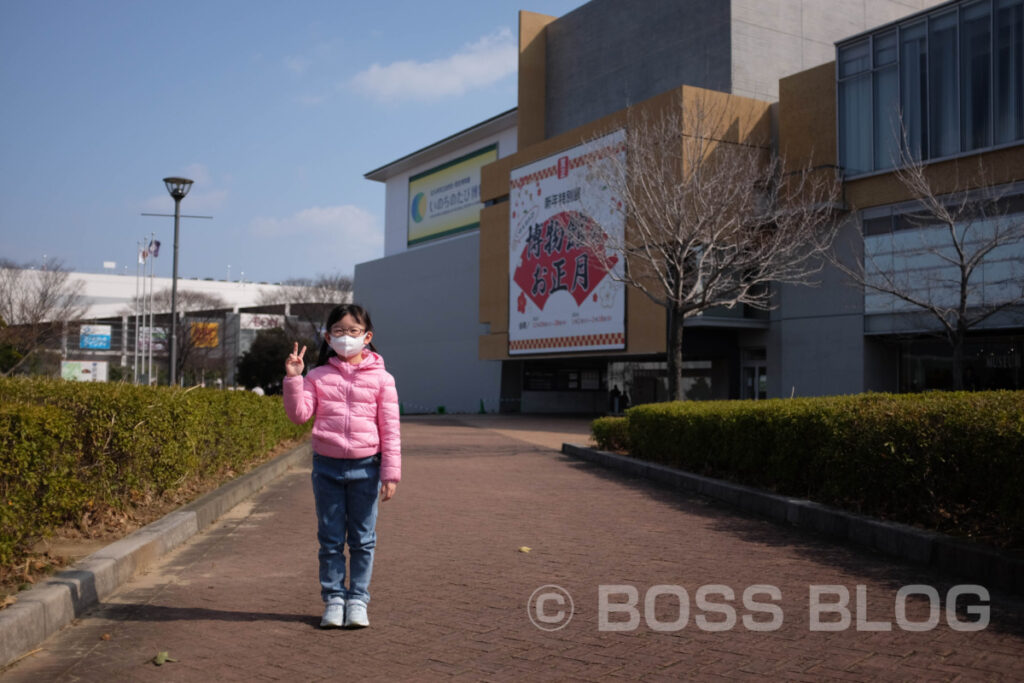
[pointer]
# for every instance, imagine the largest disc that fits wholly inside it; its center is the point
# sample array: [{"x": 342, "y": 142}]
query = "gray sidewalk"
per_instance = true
[{"x": 452, "y": 590}]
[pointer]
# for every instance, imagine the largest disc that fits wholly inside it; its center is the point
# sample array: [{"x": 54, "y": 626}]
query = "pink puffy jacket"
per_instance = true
[{"x": 356, "y": 408}]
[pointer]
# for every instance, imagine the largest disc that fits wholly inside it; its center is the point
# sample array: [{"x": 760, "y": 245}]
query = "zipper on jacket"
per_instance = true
[{"x": 348, "y": 411}]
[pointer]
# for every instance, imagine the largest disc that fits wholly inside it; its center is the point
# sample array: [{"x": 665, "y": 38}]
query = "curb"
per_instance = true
[
  {"x": 46, "y": 608},
  {"x": 947, "y": 554}
]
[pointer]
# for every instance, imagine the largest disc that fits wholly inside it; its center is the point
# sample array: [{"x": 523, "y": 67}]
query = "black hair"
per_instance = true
[{"x": 361, "y": 315}]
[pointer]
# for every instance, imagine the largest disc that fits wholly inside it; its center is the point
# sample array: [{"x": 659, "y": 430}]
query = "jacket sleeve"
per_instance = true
[
  {"x": 388, "y": 426},
  {"x": 299, "y": 398}
]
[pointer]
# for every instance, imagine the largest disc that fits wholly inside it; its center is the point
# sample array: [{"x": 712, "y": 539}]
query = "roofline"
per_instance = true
[
  {"x": 387, "y": 170},
  {"x": 896, "y": 22}
]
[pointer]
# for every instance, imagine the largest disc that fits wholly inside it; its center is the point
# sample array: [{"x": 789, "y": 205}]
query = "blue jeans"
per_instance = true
[{"x": 346, "y": 493}]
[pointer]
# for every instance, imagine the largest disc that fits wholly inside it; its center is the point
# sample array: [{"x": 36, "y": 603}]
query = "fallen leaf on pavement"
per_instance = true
[
  {"x": 163, "y": 657},
  {"x": 525, "y": 549}
]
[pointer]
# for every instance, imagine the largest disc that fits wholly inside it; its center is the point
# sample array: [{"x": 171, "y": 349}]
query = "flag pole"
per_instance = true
[
  {"x": 149, "y": 374},
  {"x": 135, "y": 355}
]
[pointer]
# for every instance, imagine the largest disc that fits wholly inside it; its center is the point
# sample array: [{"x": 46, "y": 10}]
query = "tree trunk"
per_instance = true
[
  {"x": 958, "y": 358},
  {"x": 674, "y": 354}
]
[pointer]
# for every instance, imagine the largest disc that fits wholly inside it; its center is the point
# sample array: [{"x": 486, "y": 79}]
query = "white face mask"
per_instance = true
[{"x": 346, "y": 346}]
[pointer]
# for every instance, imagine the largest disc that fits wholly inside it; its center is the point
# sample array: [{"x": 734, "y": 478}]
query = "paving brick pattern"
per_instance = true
[{"x": 450, "y": 588}]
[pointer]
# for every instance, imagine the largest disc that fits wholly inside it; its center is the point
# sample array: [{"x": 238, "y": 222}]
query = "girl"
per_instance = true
[{"x": 356, "y": 452}]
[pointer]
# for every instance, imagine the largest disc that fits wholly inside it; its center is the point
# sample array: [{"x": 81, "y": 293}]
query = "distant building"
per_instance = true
[
  {"x": 218, "y": 321},
  {"x": 829, "y": 78}
]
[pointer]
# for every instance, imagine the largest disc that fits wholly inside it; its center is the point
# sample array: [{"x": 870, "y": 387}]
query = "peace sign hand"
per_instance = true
[{"x": 293, "y": 365}]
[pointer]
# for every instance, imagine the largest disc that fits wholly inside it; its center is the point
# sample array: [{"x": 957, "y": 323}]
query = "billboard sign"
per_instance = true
[
  {"x": 446, "y": 199},
  {"x": 260, "y": 321},
  {"x": 84, "y": 370},
  {"x": 159, "y": 338},
  {"x": 94, "y": 337},
  {"x": 562, "y": 297},
  {"x": 205, "y": 335}
]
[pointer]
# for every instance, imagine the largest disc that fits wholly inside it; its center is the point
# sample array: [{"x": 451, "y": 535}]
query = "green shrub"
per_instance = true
[
  {"x": 611, "y": 433},
  {"x": 947, "y": 461},
  {"x": 65, "y": 445}
]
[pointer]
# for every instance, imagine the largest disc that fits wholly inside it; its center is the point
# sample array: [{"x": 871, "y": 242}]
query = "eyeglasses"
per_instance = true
[{"x": 351, "y": 331}]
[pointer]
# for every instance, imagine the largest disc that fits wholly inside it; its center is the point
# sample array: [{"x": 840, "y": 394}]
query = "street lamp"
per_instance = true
[{"x": 178, "y": 187}]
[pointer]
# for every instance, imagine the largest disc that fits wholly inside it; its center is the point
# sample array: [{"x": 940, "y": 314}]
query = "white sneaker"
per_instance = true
[
  {"x": 355, "y": 615},
  {"x": 334, "y": 613}
]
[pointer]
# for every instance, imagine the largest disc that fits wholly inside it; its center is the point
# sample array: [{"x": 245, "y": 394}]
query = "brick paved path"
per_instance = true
[{"x": 450, "y": 588}]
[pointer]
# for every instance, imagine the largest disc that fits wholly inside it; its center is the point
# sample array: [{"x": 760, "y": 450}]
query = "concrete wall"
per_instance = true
[
  {"x": 423, "y": 302},
  {"x": 609, "y": 54},
  {"x": 776, "y": 38},
  {"x": 817, "y": 337}
]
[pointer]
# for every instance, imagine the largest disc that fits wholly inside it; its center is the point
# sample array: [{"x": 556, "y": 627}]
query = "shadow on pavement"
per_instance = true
[
  {"x": 1006, "y": 611},
  {"x": 145, "y": 612}
]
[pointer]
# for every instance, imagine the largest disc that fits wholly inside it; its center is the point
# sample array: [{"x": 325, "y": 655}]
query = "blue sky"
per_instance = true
[{"x": 275, "y": 109}]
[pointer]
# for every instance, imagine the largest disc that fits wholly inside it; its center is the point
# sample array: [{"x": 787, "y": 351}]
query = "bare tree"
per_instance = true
[
  {"x": 310, "y": 300},
  {"x": 36, "y": 303},
  {"x": 956, "y": 256},
  {"x": 711, "y": 220},
  {"x": 198, "y": 340},
  {"x": 188, "y": 300}
]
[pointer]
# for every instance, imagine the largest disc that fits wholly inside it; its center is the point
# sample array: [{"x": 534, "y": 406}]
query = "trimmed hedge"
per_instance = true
[
  {"x": 65, "y": 446},
  {"x": 611, "y": 433},
  {"x": 950, "y": 461}
]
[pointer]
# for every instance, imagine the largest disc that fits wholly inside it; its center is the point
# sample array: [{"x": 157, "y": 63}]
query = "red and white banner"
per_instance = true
[{"x": 561, "y": 294}]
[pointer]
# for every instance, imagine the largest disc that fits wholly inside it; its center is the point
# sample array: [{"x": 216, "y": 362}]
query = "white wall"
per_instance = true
[
  {"x": 396, "y": 208},
  {"x": 112, "y": 295}
]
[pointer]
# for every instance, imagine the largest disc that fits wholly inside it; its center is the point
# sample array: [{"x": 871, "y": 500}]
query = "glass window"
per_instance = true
[
  {"x": 943, "y": 126},
  {"x": 854, "y": 59},
  {"x": 877, "y": 226},
  {"x": 1009, "y": 58},
  {"x": 885, "y": 49},
  {"x": 886, "y": 102},
  {"x": 855, "y": 123},
  {"x": 975, "y": 76},
  {"x": 935, "y": 87},
  {"x": 887, "y": 129},
  {"x": 914, "y": 88}
]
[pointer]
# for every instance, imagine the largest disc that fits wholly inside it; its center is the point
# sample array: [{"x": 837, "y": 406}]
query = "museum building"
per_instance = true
[{"x": 467, "y": 323}]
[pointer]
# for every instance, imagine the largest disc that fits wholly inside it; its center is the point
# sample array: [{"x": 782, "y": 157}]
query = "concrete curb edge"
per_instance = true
[
  {"x": 945, "y": 553},
  {"x": 46, "y": 608}
]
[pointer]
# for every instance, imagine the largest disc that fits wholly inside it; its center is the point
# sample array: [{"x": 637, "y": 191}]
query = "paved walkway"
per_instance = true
[{"x": 451, "y": 587}]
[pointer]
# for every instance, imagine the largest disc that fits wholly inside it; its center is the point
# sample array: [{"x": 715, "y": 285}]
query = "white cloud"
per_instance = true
[
  {"x": 478, "y": 64},
  {"x": 297, "y": 65},
  {"x": 199, "y": 173},
  {"x": 335, "y": 238}
]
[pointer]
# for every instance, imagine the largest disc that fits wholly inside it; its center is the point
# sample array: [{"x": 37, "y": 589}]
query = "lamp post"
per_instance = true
[{"x": 178, "y": 187}]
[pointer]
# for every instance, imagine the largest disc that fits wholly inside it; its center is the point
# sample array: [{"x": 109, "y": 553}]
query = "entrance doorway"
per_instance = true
[{"x": 754, "y": 375}]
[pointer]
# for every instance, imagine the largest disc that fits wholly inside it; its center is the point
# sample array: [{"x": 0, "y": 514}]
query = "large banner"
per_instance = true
[
  {"x": 561, "y": 297},
  {"x": 446, "y": 199}
]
